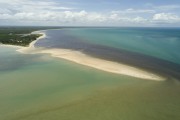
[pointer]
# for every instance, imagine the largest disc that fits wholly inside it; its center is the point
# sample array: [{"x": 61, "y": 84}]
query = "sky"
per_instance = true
[{"x": 138, "y": 13}]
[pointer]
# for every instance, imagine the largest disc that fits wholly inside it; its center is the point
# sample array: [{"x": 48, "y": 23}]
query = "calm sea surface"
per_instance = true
[{"x": 40, "y": 87}]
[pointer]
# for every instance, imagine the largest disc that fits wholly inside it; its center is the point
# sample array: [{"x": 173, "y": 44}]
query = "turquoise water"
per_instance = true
[
  {"x": 40, "y": 87},
  {"x": 162, "y": 43}
]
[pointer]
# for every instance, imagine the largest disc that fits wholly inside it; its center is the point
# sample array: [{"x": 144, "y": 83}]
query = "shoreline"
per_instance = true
[
  {"x": 12, "y": 46},
  {"x": 23, "y": 49},
  {"x": 31, "y": 47},
  {"x": 86, "y": 60}
]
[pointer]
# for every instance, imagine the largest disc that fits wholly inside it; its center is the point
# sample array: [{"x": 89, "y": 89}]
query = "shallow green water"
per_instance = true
[{"x": 40, "y": 87}]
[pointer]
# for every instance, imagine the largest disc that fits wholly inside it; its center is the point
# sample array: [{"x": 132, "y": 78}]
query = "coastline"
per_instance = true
[
  {"x": 12, "y": 46},
  {"x": 31, "y": 47},
  {"x": 83, "y": 59},
  {"x": 23, "y": 49}
]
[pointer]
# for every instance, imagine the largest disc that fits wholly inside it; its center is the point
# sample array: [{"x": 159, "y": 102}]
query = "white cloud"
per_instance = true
[
  {"x": 49, "y": 12},
  {"x": 73, "y": 17},
  {"x": 166, "y": 17},
  {"x": 5, "y": 16},
  {"x": 140, "y": 20}
]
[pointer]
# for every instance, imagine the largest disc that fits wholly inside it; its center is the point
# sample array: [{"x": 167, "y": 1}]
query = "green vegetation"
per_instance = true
[
  {"x": 15, "y": 39},
  {"x": 20, "y": 35}
]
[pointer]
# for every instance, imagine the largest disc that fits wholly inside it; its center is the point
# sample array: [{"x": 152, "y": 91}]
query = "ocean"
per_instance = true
[{"x": 38, "y": 86}]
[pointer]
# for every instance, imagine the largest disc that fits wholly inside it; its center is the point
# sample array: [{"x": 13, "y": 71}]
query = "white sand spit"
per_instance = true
[{"x": 101, "y": 64}]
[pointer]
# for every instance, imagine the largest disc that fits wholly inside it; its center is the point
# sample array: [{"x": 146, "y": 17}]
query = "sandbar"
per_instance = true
[{"x": 100, "y": 64}]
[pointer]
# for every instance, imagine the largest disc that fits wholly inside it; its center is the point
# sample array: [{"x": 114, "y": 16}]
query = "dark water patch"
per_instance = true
[
  {"x": 155, "y": 65},
  {"x": 61, "y": 39}
]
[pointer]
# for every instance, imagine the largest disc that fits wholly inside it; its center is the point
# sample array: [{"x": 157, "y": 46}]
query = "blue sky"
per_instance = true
[{"x": 153, "y": 13}]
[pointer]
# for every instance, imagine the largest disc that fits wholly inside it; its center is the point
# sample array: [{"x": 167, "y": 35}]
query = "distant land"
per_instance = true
[{"x": 20, "y": 36}]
